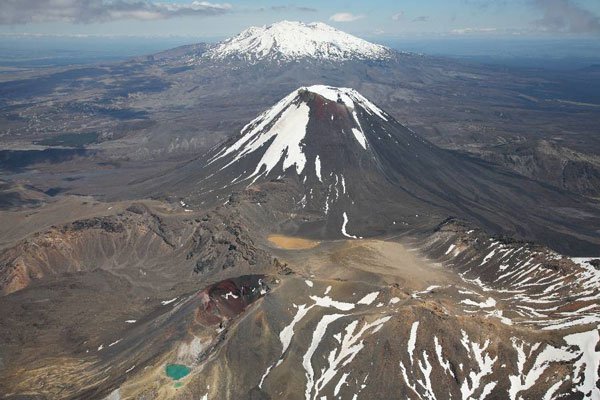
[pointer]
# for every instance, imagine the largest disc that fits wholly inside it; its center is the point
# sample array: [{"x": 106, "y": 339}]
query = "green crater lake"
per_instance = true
[{"x": 177, "y": 371}]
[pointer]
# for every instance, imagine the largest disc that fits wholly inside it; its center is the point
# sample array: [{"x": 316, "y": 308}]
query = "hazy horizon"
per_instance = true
[
  {"x": 561, "y": 53},
  {"x": 511, "y": 32}
]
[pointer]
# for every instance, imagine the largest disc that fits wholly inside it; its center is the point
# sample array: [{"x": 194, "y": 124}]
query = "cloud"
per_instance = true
[
  {"x": 14, "y": 12},
  {"x": 306, "y": 9},
  {"x": 466, "y": 31},
  {"x": 486, "y": 4},
  {"x": 566, "y": 16},
  {"x": 398, "y": 16},
  {"x": 422, "y": 18},
  {"x": 293, "y": 8},
  {"x": 345, "y": 17}
]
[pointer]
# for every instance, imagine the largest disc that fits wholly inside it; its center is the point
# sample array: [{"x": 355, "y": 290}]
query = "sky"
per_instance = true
[{"x": 384, "y": 18}]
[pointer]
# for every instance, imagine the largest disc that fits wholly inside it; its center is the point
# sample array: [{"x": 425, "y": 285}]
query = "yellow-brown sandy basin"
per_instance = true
[{"x": 292, "y": 243}]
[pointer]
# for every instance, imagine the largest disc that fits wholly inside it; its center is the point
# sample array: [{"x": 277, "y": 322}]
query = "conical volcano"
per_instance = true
[
  {"x": 358, "y": 172},
  {"x": 316, "y": 132}
]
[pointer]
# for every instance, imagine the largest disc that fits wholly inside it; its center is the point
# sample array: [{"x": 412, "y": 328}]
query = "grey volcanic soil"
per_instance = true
[
  {"x": 376, "y": 311},
  {"x": 166, "y": 107}
]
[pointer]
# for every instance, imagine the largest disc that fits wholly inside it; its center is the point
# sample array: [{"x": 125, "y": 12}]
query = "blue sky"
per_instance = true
[{"x": 385, "y": 18}]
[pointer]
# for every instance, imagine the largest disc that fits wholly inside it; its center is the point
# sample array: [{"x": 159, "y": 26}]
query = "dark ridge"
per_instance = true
[
  {"x": 54, "y": 191},
  {"x": 17, "y": 160},
  {"x": 70, "y": 139}
]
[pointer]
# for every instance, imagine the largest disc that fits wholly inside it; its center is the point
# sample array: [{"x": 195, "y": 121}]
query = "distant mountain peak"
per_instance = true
[{"x": 289, "y": 40}]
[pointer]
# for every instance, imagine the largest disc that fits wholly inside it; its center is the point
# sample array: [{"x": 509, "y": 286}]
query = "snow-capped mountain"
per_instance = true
[
  {"x": 283, "y": 128},
  {"x": 331, "y": 142},
  {"x": 361, "y": 172},
  {"x": 286, "y": 40}
]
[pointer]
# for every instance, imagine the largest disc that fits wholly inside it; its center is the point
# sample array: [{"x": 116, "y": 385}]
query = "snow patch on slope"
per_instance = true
[
  {"x": 349, "y": 97},
  {"x": 360, "y": 137},
  {"x": 285, "y": 137},
  {"x": 369, "y": 299},
  {"x": 588, "y": 364},
  {"x": 412, "y": 341},
  {"x": 318, "y": 168},
  {"x": 344, "y": 227}
]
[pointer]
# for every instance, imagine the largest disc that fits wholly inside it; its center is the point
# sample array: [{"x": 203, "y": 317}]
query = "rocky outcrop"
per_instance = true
[
  {"x": 550, "y": 163},
  {"x": 222, "y": 242},
  {"x": 84, "y": 245}
]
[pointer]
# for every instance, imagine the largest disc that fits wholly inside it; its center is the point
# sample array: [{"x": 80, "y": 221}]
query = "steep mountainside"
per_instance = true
[
  {"x": 357, "y": 172},
  {"x": 546, "y": 161}
]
